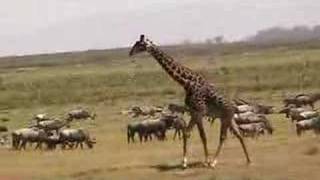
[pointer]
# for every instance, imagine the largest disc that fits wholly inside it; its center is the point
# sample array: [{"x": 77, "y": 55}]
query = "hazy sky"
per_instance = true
[{"x": 41, "y": 26}]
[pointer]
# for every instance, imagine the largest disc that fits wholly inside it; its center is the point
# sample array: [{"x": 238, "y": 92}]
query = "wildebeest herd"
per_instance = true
[
  {"x": 52, "y": 132},
  {"x": 252, "y": 118}
]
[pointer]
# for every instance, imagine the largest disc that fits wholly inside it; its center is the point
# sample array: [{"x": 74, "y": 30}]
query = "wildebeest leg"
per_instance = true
[
  {"x": 81, "y": 145},
  {"x": 89, "y": 143},
  {"x": 23, "y": 144},
  {"x": 132, "y": 136},
  {"x": 77, "y": 145},
  {"x": 312, "y": 105},
  {"x": 298, "y": 130},
  {"x": 129, "y": 135},
  {"x": 141, "y": 136},
  {"x": 71, "y": 145},
  {"x": 175, "y": 134},
  {"x": 38, "y": 145}
]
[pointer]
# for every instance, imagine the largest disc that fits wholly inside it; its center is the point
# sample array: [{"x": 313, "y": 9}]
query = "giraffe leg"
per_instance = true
[
  {"x": 223, "y": 136},
  {"x": 204, "y": 141},
  {"x": 186, "y": 135},
  {"x": 235, "y": 129}
]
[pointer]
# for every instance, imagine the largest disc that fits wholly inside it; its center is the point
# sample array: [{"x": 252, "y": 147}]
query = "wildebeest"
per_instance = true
[
  {"x": 176, "y": 108},
  {"x": 302, "y": 100},
  {"x": 80, "y": 114},
  {"x": 21, "y": 137},
  {"x": 41, "y": 117},
  {"x": 179, "y": 124},
  {"x": 137, "y": 111},
  {"x": 50, "y": 125},
  {"x": 3, "y": 129},
  {"x": 134, "y": 128},
  {"x": 146, "y": 128},
  {"x": 308, "y": 124},
  {"x": 4, "y": 139},
  {"x": 256, "y": 108},
  {"x": 52, "y": 141},
  {"x": 298, "y": 114},
  {"x": 78, "y": 136},
  {"x": 250, "y": 117},
  {"x": 255, "y": 129}
]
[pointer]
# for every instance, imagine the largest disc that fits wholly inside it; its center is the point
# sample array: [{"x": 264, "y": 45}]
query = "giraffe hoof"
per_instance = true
[
  {"x": 184, "y": 166},
  {"x": 184, "y": 163},
  {"x": 212, "y": 164}
]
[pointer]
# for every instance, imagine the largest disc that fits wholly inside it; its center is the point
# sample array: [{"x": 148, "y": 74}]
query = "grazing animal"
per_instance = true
[
  {"x": 255, "y": 129},
  {"x": 298, "y": 115},
  {"x": 3, "y": 129},
  {"x": 244, "y": 108},
  {"x": 308, "y": 124},
  {"x": 78, "y": 136},
  {"x": 156, "y": 127},
  {"x": 149, "y": 127},
  {"x": 52, "y": 125},
  {"x": 202, "y": 98},
  {"x": 302, "y": 100},
  {"x": 22, "y": 136},
  {"x": 249, "y": 117},
  {"x": 176, "y": 108},
  {"x": 4, "y": 139},
  {"x": 137, "y": 111},
  {"x": 52, "y": 141},
  {"x": 179, "y": 124},
  {"x": 256, "y": 108},
  {"x": 41, "y": 117},
  {"x": 288, "y": 111},
  {"x": 252, "y": 118},
  {"x": 80, "y": 114},
  {"x": 132, "y": 129},
  {"x": 263, "y": 109},
  {"x": 239, "y": 102}
]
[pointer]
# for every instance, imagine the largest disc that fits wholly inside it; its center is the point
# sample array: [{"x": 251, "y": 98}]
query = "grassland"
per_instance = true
[{"x": 108, "y": 81}]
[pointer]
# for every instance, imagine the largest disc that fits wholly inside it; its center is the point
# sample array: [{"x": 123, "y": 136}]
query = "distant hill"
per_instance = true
[{"x": 286, "y": 35}]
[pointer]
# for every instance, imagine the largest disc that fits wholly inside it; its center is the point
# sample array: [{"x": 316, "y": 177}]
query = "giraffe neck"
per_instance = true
[{"x": 181, "y": 74}]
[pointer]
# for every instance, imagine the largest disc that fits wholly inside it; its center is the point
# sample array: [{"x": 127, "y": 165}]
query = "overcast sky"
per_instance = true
[{"x": 42, "y": 26}]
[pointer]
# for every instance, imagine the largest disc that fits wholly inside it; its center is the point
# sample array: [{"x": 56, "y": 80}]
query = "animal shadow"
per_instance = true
[{"x": 178, "y": 166}]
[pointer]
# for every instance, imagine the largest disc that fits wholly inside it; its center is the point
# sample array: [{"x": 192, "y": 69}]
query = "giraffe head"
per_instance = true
[{"x": 140, "y": 46}]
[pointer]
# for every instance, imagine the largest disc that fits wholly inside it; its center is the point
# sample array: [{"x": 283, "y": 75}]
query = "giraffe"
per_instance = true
[{"x": 202, "y": 98}]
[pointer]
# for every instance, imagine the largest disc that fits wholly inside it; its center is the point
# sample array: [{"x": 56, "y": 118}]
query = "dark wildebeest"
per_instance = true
[
  {"x": 176, "y": 108},
  {"x": 256, "y": 108},
  {"x": 80, "y": 114},
  {"x": 298, "y": 114},
  {"x": 132, "y": 129},
  {"x": 250, "y": 117},
  {"x": 22, "y": 136},
  {"x": 137, "y": 111},
  {"x": 255, "y": 129},
  {"x": 3, "y": 129},
  {"x": 149, "y": 127},
  {"x": 52, "y": 125},
  {"x": 179, "y": 124},
  {"x": 302, "y": 100},
  {"x": 78, "y": 136},
  {"x": 308, "y": 124}
]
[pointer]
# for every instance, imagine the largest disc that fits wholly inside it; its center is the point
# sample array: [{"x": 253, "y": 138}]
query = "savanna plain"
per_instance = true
[{"x": 108, "y": 81}]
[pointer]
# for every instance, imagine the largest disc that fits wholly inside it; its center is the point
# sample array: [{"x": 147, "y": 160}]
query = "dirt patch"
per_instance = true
[{"x": 311, "y": 151}]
